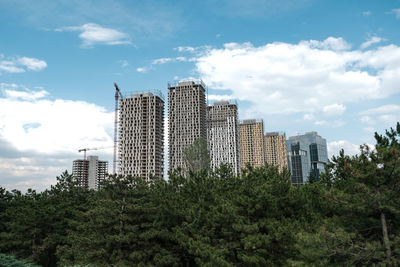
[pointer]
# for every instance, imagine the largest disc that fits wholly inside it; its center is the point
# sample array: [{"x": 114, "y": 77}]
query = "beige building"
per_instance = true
[
  {"x": 223, "y": 135},
  {"x": 252, "y": 143},
  {"x": 275, "y": 149},
  {"x": 186, "y": 118},
  {"x": 141, "y": 135}
]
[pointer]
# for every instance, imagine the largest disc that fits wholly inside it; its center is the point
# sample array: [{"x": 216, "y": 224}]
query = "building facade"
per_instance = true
[
  {"x": 141, "y": 135},
  {"x": 186, "y": 118},
  {"x": 90, "y": 172},
  {"x": 307, "y": 155},
  {"x": 251, "y": 140},
  {"x": 223, "y": 135},
  {"x": 275, "y": 149}
]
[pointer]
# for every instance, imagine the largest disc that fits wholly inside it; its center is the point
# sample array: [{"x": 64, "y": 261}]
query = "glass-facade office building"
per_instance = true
[{"x": 307, "y": 155}]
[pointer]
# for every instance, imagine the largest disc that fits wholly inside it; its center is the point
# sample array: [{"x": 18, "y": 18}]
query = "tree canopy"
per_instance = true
[{"x": 348, "y": 218}]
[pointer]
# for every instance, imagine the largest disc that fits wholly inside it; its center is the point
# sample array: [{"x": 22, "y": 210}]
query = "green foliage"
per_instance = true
[
  {"x": 202, "y": 218},
  {"x": 197, "y": 157},
  {"x": 37, "y": 223},
  {"x": 8, "y": 261}
]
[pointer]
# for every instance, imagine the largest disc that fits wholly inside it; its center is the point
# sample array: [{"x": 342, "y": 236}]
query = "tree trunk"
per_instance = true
[
  {"x": 121, "y": 223},
  {"x": 385, "y": 236}
]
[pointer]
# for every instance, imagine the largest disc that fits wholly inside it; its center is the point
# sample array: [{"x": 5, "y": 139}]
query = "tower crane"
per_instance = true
[
  {"x": 117, "y": 95},
  {"x": 92, "y": 148}
]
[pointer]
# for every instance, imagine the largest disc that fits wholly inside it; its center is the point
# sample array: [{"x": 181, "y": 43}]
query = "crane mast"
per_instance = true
[{"x": 117, "y": 95}]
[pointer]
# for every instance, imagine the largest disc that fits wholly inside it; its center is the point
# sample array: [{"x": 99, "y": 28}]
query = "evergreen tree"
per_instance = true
[{"x": 197, "y": 157}]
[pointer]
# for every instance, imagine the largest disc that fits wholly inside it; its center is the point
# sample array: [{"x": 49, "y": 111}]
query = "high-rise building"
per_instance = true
[
  {"x": 252, "y": 143},
  {"x": 307, "y": 155},
  {"x": 141, "y": 135},
  {"x": 223, "y": 135},
  {"x": 275, "y": 149},
  {"x": 186, "y": 118},
  {"x": 90, "y": 172}
]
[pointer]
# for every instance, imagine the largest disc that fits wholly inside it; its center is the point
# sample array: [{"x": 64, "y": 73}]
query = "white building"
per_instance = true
[
  {"x": 141, "y": 135},
  {"x": 223, "y": 135},
  {"x": 90, "y": 172},
  {"x": 186, "y": 118}
]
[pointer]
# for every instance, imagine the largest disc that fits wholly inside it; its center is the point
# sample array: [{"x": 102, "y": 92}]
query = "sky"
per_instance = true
[{"x": 306, "y": 65}]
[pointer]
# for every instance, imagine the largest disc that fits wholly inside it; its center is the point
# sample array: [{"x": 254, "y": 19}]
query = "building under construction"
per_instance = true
[
  {"x": 90, "y": 172},
  {"x": 275, "y": 149},
  {"x": 223, "y": 135},
  {"x": 141, "y": 135},
  {"x": 252, "y": 143},
  {"x": 187, "y": 118}
]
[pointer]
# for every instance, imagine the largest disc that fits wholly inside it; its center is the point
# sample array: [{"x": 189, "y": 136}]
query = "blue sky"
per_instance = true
[{"x": 326, "y": 66}]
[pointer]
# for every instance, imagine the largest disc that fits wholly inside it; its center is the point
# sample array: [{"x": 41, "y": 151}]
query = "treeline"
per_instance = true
[{"x": 351, "y": 217}]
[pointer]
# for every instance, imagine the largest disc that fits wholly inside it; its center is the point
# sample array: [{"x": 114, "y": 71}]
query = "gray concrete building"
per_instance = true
[
  {"x": 307, "y": 155},
  {"x": 90, "y": 172},
  {"x": 141, "y": 135},
  {"x": 223, "y": 135},
  {"x": 186, "y": 118}
]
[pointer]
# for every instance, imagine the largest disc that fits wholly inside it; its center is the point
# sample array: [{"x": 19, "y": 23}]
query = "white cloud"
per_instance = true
[
  {"x": 162, "y": 60},
  {"x": 382, "y": 110},
  {"x": 332, "y": 124},
  {"x": 349, "y": 148},
  {"x": 39, "y": 137},
  {"x": 305, "y": 77},
  {"x": 367, "y": 13},
  {"x": 25, "y": 95},
  {"x": 367, "y": 120},
  {"x": 331, "y": 43},
  {"x": 26, "y": 169},
  {"x": 186, "y": 49},
  {"x": 213, "y": 97},
  {"x": 9, "y": 66},
  {"x": 385, "y": 116},
  {"x": 142, "y": 69},
  {"x": 396, "y": 12},
  {"x": 30, "y": 121},
  {"x": 92, "y": 34},
  {"x": 371, "y": 41},
  {"x": 194, "y": 50},
  {"x": 27, "y": 172},
  {"x": 334, "y": 109},
  {"x": 321, "y": 122},
  {"x": 369, "y": 130},
  {"x": 32, "y": 63},
  {"x": 171, "y": 59},
  {"x": 308, "y": 117},
  {"x": 21, "y": 64},
  {"x": 389, "y": 119}
]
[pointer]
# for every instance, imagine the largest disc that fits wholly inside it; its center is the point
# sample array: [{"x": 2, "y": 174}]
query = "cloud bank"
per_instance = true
[
  {"x": 39, "y": 137},
  {"x": 310, "y": 77}
]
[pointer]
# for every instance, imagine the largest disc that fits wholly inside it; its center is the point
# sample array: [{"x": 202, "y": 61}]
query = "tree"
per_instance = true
[
  {"x": 387, "y": 181},
  {"x": 197, "y": 157},
  {"x": 366, "y": 190},
  {"x": 8, "y": 261}
]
